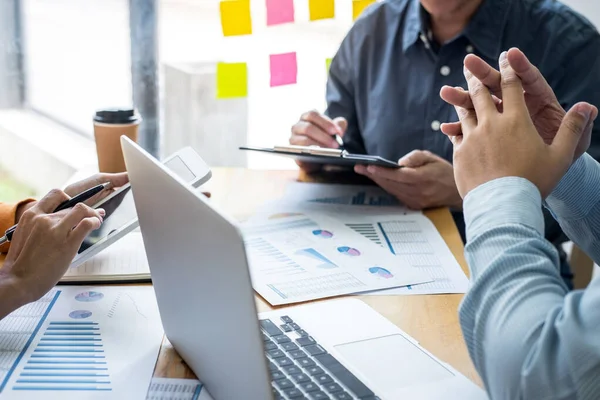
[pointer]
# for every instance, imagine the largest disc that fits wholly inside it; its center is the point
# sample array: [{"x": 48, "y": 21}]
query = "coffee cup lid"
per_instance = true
[{"x": 117, "y": 116}]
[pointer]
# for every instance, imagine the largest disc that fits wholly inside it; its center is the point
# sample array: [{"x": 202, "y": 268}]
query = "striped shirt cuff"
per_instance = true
[
  {"x": 503, "y": 201},
  {"x": 574, "y": 196}
]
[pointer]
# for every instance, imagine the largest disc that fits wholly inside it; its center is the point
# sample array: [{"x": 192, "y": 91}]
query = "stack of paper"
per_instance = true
[
  {"x": 123, "y": 261},
  {"x": 325, "y": 240},
  {"x": 297, "y": 255}
]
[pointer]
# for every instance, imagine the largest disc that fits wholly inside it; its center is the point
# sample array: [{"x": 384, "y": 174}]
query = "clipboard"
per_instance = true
[{"x": 320, "y": 155}]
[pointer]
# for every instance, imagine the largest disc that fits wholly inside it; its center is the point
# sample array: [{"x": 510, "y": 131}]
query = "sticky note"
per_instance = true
[
  {"x": 232, "y": 80},
  {"x": 284, "y": 69},
  {"x": 358, "y": 6},
  {"x": 280, "y": 12},
  {"x": 328, "y": 64},
  {"x": 235, "y": 17},
  {"x": 321, "y": 9}
]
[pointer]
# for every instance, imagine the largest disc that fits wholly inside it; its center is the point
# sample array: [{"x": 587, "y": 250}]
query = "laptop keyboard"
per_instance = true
[{"x": 301, "y": 369}]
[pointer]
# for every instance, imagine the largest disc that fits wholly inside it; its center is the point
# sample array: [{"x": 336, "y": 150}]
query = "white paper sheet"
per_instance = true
[
  {"x": 177, "y": 389},
  {"x": 123, "y": 260},
  {"x": 298, "y": 257},
  {"x": 81, "y": 343},
  {"x": 409, "y": 235}
]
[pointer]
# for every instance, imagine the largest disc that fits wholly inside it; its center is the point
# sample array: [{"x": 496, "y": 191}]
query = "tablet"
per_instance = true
[
  {"x": 121, "y": 216},
  {"x": 319, "y": 155}
]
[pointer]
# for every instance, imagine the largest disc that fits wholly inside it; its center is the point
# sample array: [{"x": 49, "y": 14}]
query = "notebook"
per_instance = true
[{"x": 123, "y": 262}]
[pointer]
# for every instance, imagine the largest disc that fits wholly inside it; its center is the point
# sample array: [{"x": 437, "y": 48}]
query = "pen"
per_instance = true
[
  {"x": 338, "y": 139},
  {"x": 80, "y": 198}
]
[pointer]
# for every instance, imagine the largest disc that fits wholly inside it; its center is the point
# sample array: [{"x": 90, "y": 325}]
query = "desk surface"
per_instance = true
[{"x": 432, "y": 320}]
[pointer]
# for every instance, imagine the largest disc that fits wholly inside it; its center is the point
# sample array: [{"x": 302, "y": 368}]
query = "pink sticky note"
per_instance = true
[
  {"x": 280, "y": 12},
  {"x": 284, "y": 69}
]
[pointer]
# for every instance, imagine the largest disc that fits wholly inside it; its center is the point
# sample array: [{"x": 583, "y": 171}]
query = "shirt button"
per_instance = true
[
  {"x": 445, "y": 70},
  {"x": 470, "y": 49},
  {"x": 435, "y": 125}
]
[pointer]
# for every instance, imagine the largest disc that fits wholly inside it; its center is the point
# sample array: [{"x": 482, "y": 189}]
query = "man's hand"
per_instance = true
[
  {"x": 496, "y": 144},
  {"x": 542, "y": 104},
  {"x": 115, "y": 180},
  {"x": 425, "y": 181},
  {"x": 315, "y": 129},
  {"x": 44, "y": 245}
]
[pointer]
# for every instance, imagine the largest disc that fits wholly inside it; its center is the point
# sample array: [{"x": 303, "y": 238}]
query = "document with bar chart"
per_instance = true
[
  {"x": 177, "y": 389},
  {"x": 81, "y": 343},
  {"x": 295, "y": 257},
  {"x": 409, "y": 235}
]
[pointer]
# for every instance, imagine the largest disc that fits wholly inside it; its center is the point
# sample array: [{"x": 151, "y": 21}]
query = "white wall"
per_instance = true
[{"x": 589, "y": 8}]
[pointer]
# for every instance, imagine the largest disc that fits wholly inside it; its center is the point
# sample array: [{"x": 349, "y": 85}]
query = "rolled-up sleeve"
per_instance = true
[{"x": 8, "y": 213}]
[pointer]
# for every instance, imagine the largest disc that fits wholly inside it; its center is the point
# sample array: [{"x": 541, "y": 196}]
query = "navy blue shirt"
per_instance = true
[{"x": 387, "y": 75}]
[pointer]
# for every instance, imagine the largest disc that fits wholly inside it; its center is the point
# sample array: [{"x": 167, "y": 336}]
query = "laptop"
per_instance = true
[{"x": 335, "y": 349}]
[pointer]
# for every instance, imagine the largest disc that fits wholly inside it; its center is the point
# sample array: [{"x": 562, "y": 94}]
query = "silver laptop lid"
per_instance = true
[{"x": 200, "y": 274}]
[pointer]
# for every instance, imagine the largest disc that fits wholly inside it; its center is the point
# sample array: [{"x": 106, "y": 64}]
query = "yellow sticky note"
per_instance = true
[
  {"x": 235, "y": 17},
  {"x": 232, "y": 80},
  {"x": 358, "y": 6},
  {"x": 328, "y": 64},
  {"x": 321, "y": 9}
]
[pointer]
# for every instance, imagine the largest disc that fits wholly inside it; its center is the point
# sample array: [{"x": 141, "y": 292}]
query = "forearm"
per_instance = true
[
  {"x": 528, "y": 337},
  {"x": 10, "y": 215},
  {"x": 575, "y": 203},
  {"x": 12, "y": 295}
]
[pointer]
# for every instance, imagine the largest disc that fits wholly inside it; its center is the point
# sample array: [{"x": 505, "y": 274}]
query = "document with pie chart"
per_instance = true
[
  {"x": 297, "y": 257},
  {"x": 81, "y": 343}
]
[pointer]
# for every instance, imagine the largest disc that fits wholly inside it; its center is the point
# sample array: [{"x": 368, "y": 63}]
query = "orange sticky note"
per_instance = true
[
  {"x": 232, "y": 80},
  {"x": 235, "y": 17},
  {"x": 328, "y": 64},
  {"x": 358, "y": 6},
  {"x": 321, "y": 9}
]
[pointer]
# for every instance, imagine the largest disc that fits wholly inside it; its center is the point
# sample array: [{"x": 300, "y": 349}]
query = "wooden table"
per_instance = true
[{"x": 432, "y": 320}]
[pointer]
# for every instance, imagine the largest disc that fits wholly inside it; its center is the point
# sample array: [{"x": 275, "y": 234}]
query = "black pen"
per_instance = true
[{"x": 80, "y": 198}]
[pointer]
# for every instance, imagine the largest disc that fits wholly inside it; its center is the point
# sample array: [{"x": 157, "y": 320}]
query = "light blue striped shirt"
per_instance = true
[{"x": 528, "y": 336}]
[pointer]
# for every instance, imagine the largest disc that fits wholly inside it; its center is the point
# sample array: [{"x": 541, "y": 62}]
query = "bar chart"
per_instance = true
[{"x": 68, "y": 357}]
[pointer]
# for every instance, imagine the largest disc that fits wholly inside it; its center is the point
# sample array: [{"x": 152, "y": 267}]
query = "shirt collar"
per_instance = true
[
  {"x": 413, "y": 24},
  {"x": 484, "y": 31}
]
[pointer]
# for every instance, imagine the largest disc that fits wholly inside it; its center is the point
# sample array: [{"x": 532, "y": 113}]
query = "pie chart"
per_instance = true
[
  {"x": 87, "y": 297},
  {"x": 322, "y": 233},
  {"x": 349, "y": 251},
  {"x": 381, "y": 272},
  {"x": 80, "y": 314}
]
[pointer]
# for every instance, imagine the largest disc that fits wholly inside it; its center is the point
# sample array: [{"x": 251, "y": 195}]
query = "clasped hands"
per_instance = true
[{"x": 511, "y": 124}]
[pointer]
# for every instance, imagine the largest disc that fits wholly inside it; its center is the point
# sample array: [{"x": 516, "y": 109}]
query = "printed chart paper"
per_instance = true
[
  {"x": 81, "y": 342},
  {"x": 407, "y": 234},
  {"x": 297, "y": 257},
  {"x": 177, "y": 389},
  {"x": 413, "y": 238}
]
